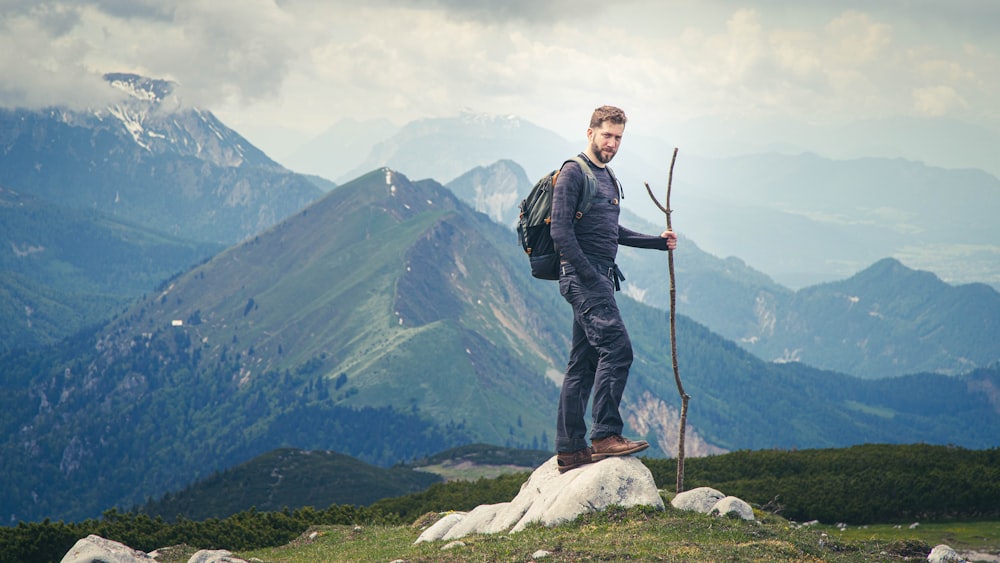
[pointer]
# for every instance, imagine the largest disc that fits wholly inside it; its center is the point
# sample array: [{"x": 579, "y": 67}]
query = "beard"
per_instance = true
[{"x": 604, "y": 156}]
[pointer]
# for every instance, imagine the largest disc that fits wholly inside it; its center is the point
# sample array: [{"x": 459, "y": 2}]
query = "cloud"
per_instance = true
[
  {"x": 55, "y": 52},
  {"x": 936, "y": 101},
  {"x": 305, "y": 64}
]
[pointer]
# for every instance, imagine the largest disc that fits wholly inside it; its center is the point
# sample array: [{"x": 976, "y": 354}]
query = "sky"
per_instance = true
[{"x": 282, "y": 71}]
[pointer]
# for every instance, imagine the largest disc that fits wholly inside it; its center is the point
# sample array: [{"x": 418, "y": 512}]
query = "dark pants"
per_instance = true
[{"x": 599, "y": 359}]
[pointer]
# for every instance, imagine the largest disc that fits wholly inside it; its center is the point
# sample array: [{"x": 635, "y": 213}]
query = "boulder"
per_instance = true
[
  {"x": 95, "y": 549},
  {"x": 549, "y": 498},
  {"x": 710, "y": 501}
]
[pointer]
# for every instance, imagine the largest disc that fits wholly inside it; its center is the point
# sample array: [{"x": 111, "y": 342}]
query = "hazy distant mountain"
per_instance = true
[
  {"x": 339, "y": 149},
  {"x": 389, "y": 321},
  {"x": 149, "y": 160},
  {"x": 936, "y": 141},
  {"x": 885, "y": 321},
  {"x": 444, "y": 148},
  {"x": 805, "y": 219}
]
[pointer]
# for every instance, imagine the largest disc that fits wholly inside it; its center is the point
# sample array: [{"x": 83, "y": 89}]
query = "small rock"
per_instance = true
[
  {"x": 452, "y": 545},
  {"x": 733, "y": 505},
  {"x": 944, "y": 554},
  {"x": 215, "y": 556},
  {"x": 701, "y": 499}
]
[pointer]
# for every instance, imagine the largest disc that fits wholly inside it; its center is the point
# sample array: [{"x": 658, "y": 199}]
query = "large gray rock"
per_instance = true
[
  {"x": 549, "y": 498},
  {"x": 95, "y": 549}
]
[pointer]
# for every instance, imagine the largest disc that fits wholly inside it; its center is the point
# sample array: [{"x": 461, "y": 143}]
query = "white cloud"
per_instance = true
[
  {"x": 935, "y": 101},
  {"x": 305, "y": 64}
]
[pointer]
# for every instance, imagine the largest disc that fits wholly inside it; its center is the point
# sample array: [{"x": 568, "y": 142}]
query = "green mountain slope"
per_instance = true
[{"x": 62, "y": 269}]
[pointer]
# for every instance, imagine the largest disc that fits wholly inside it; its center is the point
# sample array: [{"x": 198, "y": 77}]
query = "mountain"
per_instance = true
[
  {"x": 389, "y": 321},
  {"x": 289, "y": 478},
  {"x": 887, "y": 320},
  {"x": 149, "y": 160},
  {"x": 63, "y": 269},
  {"x": 335, "y": 152},
  {"x": 496, "y": 190},
  {"x": 447, "y": 147}
]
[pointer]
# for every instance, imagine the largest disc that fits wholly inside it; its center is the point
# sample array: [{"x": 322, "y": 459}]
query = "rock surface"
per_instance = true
[
  {"x": 549, "y": 498},
  {"x": 944, "y": 554},
  {"x": 94, "y": 549}
]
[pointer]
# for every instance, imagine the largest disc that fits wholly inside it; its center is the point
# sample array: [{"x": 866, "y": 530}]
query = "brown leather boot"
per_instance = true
[
  {"x": 571, "y": 460},
  {"x": 615, "y": 445}
]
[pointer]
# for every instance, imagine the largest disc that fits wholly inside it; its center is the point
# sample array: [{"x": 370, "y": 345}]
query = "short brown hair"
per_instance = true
[{"x": 607, "y": 113}]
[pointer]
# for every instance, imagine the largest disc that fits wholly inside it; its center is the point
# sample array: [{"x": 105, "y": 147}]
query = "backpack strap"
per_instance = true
[
  {"x": 589, "y": 187},
  {"x": 621, "y": 190}
]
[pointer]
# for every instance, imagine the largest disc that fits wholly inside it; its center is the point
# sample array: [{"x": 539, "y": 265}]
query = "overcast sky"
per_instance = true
[{"x": 268, "y": 68}]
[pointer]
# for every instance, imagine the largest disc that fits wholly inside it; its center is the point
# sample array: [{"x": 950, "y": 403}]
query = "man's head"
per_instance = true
[{"x": 605, "y": 133}]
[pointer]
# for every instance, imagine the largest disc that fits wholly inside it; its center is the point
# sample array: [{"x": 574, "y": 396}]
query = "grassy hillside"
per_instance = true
[{"x": 289, "y": 479}]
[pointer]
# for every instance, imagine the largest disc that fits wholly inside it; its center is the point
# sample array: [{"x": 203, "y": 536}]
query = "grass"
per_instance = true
[
  {"x": 637, "y": 534},
  {"x": 961, "y": 536}
]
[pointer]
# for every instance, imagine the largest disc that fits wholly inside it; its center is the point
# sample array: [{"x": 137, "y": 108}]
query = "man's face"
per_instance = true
[{"x": 604, "y": 140}]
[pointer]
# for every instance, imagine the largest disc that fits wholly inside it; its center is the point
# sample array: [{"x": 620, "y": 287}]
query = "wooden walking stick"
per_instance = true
[{"x": 673, "y": 337}]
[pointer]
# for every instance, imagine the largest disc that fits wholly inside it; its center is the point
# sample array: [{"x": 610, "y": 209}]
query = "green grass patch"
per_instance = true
[{"x": 637, "y": 534}]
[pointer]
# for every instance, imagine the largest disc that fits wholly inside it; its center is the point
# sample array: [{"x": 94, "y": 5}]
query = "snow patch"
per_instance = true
[{"x": 132, "y": 122}]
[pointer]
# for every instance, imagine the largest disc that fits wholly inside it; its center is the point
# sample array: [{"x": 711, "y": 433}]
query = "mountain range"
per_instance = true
[
  {"x": 886, "y": 320},
  {"x": 388, "y": 320},
  {"x": 390, "y": 308}
]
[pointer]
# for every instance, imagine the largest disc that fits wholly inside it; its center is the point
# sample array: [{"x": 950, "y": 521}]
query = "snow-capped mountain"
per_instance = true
[{"x": 149, "y": 158}]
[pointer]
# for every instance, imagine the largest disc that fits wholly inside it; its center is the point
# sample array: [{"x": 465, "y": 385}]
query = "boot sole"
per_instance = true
[
  {"x": 637, "y": 449},
  {"x": 565, "y": 468}
]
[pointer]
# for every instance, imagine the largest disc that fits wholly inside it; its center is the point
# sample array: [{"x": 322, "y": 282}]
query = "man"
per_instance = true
[{"x": 601, "y": 352}]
